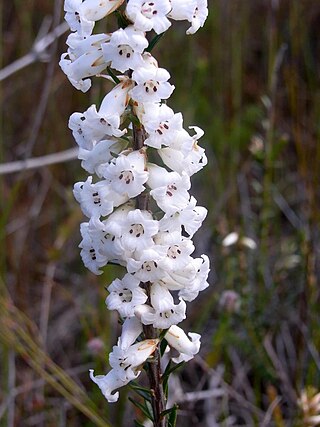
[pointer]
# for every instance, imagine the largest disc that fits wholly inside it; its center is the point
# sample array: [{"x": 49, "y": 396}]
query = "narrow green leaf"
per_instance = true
[
  {"x": 153, "y": 42},
  {"x": 165, "y": 377},
  {"x": 163, "y": 332},
  {"x": 163, "y": 346},
  {"x": 137, "y": 424},
  {"x": 144, "y": 393},
  {"x": 142, "y": 408},
  {"x": 172, "y": 419},
  {"x": 169, "y": 369},
  {"x": 112, "y": 75}
]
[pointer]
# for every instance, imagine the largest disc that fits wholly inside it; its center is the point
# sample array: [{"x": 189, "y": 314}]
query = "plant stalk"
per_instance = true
[{"x": 154, "y": 367}]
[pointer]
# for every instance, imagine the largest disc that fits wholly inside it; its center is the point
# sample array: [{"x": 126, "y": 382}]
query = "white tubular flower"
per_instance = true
[
  {"x": 132, "y": 358},
  {"x": 105, "y": 242},
  {"x": 147, "y": 264},
  {"x": 131, "y": 329},
  {"x": 137, "y": 230},
  {"x": 124, "y": 50},
  {"x": 75, "y": 21},
  {"x": 81, "y": 15},
  {"x": 164, "y": 312},
  {"x": 152, "y": 84},
  {"x": 169, "y": 189},
  {"x": 176, "y": 280},
  {"x": 190, "y": 218},
  {"x": 127, "y": 173},
  {"x": 103, "y": 152},
  {"x": 194, "y": 11},
  {"x": 97, "y": 199},
  {"x": 85, "y": 59},
  {"x": 125, "y": 295},
  {"x": 199, "y": 282},
  {"x": 161, "y": 123},
  {"x": 149, "y": 60},
  {"x": 111, "y": 382},
  {"x": 81, "y": 68},
  {"x": 190, "y": 164},
  {"x": 126, "y": 360},
  {"x": 92, "y": 125},
  {"x": 188, "y": 348},
  {"x": 149, "y": 15},
  {"x": 178, "y": 251},
  {"x": 91, "y": 257}
]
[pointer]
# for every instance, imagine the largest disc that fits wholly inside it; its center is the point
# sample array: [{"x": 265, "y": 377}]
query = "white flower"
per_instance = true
[
  {"x": 199, "y": 282},
  {"x": 137, "y": 230},
  {"x": 177, "y": 280},
  {"x": 147, "y": 264},
  {"x": 132, "y": 358},
  {"x": 73, "y": 18},
  {"x": 126, "y": 360},
  {"x": 112, "y": 381},
  {"x": 161, "y": 123},
  {"x": 79, "y": 46},
  {"x": 178, "y": 250},
  {"x": 184, "y": 153},
  {"x": 100, "y": 154},
  {"x": 230, "y": 239},
  {"x": 149, "y": 15},
  {"x": 191, "y": 218},
  {"x": 92, "y": 125},
  {"x": 105, "y": 242},
  {"x": 79, "y": 69},
  {"x": 125, "y": 48},
  {"x": 127, "y": 173},
  {"x": 91, "y": 257},
  {"x": 169, "y": 189},
  {"x": 188, "y": 348},
  {"x": 152, "y": 84},
  {"x": 164, "y": 313},
  {"x": 190, "y": 164},
  {"x": 81, "y": 15},
  {"x": 182, "y": 9},
  {"x": 194, "y": 11},
  {"x": 131, "y": 329},
  {"x": 125, "y": 295},
  {"x": 97, "y": 199}
]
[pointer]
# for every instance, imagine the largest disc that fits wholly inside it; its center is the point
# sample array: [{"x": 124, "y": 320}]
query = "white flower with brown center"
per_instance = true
[
  {"x": 146, "y": 264},
  {"x": 169, "y": 189},
  {"x": 125, "y": 295},
  {"x": 152, "y": 84},
  {"x": 125, "y": 48},
  {"x": 137, "y": 230},
  {"x": 97, "y": 199},
  {"x": 149, "y": 15},
  {"x": 127, "y": 173},
  {"x": 161, "y": 124}
]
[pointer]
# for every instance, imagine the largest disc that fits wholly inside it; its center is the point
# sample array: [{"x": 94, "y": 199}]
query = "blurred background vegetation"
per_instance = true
[{"x": 250, "y": 79}]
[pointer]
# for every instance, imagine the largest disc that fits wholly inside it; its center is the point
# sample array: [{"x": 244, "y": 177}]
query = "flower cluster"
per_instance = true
[{"x": 140, "y": 215}]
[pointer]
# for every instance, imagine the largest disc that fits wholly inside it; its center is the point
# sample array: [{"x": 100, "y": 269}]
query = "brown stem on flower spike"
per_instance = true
[{"x": 154, "y": 367}]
